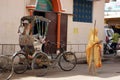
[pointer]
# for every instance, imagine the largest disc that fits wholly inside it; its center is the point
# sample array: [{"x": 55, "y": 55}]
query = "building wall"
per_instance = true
[
  {"x": 10, "y": 13},
  {"x": 13, "y": 10},
  {"x": 78, "y": 32},
  {"x": 84, "y": 28}
]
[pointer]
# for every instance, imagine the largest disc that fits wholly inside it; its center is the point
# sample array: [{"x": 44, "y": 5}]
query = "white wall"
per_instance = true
[
  {"x": 13, "y": 10},
  {"x": 10, "y": 13},
  {"x": 99, "y": 17},
  {"x": 78, "y": 32},
  {"x": 67, "y": 5},
  {"x": 83, "y": 29}
]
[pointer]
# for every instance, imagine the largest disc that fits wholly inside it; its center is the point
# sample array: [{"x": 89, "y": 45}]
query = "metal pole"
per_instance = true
[{"x": 58, "y": 31}]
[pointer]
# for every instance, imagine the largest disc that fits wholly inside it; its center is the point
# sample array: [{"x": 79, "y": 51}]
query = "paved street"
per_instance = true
[{"x": 109, "y": 71}]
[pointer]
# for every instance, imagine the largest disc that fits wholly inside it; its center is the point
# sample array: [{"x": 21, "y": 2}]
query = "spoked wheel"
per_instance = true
[
  {"x": 40, "y": 64},
  {"x": 6, "y": 69},
  {"x": 67, "y": 61},
  {"x": 106, "y": 50},
  {"x": 20, "y": 63}
]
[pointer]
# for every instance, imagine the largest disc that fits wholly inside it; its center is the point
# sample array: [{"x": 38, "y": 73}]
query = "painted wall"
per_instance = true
[
  {"x": 81, "y": 30},
  {"x": 78, "y": 32},
  {"x": 13, "y": 10},
  {"x": 10, "y": 13}
]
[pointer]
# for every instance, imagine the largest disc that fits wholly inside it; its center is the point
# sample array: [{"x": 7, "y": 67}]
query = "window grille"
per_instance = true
[{"x": 82, "y": 11}]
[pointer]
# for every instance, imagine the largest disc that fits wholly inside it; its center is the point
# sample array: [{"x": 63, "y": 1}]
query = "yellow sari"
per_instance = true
[{"x": 93, "y": 49}]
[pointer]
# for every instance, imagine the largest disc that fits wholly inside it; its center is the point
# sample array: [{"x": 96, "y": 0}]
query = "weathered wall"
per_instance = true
[
  {"x": 10, "y": 13},
  {"x": 78, "y": 32},
  {"x": 13, "y": 10},
  {"x": 84, "y": 28}
]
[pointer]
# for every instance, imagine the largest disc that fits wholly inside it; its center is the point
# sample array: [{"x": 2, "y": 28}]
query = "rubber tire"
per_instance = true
[
  {"x": 72, "y": 61},
  {"x": 23, "y": 64},
  {"x": 41, "y": 68},
  {"x": 6, "y": 69}
]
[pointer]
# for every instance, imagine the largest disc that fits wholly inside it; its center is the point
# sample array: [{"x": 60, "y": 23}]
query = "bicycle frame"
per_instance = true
[{"x": 55, "y": 59}]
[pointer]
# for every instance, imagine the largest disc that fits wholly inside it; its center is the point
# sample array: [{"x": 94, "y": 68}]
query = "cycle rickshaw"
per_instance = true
[{"x": 32, "y": 34}]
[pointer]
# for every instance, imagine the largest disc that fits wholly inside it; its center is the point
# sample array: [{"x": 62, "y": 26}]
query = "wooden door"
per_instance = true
[{"x": 52, "y": 29}]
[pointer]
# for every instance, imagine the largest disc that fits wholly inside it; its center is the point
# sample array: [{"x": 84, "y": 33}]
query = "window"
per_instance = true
[{"x": 82, "y": 11}]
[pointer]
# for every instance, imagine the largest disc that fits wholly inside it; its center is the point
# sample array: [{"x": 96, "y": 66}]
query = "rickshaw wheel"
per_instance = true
[
  {"x": 20, "y": 63},
  {"x": 40, "y": 64}
]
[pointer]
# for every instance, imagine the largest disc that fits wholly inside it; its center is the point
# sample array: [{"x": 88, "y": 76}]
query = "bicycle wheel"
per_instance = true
[
  {"x": 20, "y": 63},
  {"x": 6, "y": 69},
  {"x": 40, "y": 64},
  {"x": 67, "y": 61}
]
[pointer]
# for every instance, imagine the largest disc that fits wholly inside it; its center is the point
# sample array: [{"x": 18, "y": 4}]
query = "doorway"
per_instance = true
[{"x": 52, "y": 28}]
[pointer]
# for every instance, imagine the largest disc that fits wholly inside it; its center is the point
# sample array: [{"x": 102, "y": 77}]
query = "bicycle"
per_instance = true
[
  {"x": 22, "y": 63},
  {"x": 6, "y": 69},
  {"x": 31, "y": 55},
  {"x": 66, "y": 60},
  {"x": 29, "y": 42},
  {"x": 41, "y": 62}
]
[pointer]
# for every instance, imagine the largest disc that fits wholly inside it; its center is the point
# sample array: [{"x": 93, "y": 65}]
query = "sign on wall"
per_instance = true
[{"x": 44, "y": 5}]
